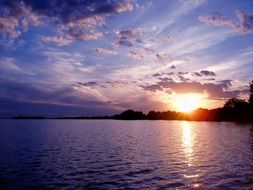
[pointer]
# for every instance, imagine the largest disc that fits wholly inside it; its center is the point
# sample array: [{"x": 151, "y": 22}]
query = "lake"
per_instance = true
[{"x": 110, "y": 154}]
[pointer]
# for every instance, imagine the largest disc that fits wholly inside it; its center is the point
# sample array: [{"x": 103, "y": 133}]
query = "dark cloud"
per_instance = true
[
  {"x": 139, "y": 41},
  {"x": 136, "y": 54},
  {"x": 182, "y": 73},
  {"x": 130, "y": 33},
  {"x": 160, "y": 74},
  {"x": 207, "y": 73},
  {"x": 244, "y": 26},
  {"x": 159, "y": 57},
  {"x": 215, "y": 90},
  {"x": 183, "y": 79},
  {"x": 165, "y": 79},
  {"x": 197, "y": 74},
  {"x": 226, "y": 83},
  {"x": 128, "y": 37},
  {"x": 11, "y": 108},
  {"x": 103, "y": 84},
  {"x": 173, "y": 67},
  {"x": 123, "y": 43},
  {"x": 149, "y": 50},
  {"x": 76, "y": 20},
  {"x": 211, "y": 79},
  {"x": 246, "y": 22},
  {"x": 85, "y": 84},
  {"x": 157, "y": 75},
  {"x": 203, "y": 73},
  {"x": 103, "y": 51},
  {"x": 35, "y": 99},
  {"x": 170, "y": 73}
]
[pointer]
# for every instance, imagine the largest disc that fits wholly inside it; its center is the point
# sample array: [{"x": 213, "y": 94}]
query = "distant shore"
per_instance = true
[{"x": 219, "y": 114}]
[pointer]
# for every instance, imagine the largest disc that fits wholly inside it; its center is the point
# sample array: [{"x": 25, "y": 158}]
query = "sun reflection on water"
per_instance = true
[
  {"x": 187, "y": 141},
  {"x": 188, "y": 149}
]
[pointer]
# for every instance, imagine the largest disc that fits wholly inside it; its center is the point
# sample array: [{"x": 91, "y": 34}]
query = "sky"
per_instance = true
[{"x": 94, "y": 57}]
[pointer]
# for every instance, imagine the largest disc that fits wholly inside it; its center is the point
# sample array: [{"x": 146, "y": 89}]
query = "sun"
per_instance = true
[{"x": 187, "y": 102}]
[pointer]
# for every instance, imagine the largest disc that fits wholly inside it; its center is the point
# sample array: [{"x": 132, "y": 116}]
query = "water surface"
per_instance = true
[{"x": 108, "y": 154}]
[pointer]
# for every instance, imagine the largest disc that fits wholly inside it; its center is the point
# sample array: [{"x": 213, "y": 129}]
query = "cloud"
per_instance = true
[
  {"x": 72, "y": 98},
  {"x": 76, "y": 20},
  {"x": 162, "y": 38},
  {"x": 159, "y": 57},
  {"x": 136, "y": 54},
  {"x": 218, "y": 90},
  {"x": 182, "y": 73},
  {"x": 203, "y": 73},
  {"x": 127, "y": 37},
  {"x": 38, "y": 98},
  {"x": 173, "y": 67},
  {"x": 244, "y": 26},
  {"x": 16, "y": 18},
  {"x": 103, "y": 84},
  {"x": 149, "y": 50},
  {"x": 102, "y": 51},
  {"x": 128, "y": 34},
  {"x": 83, "y": 29},
  {"x": 86, "y": 84},
  {"x": 157, "y": 75},
  {"x": 182, "y": 78},
  {"x": 207, "y": 73},
  {"x": 246, "y": 22},
  {"x": 60, "y": 41},
  {"x": 217, "y": 20},
  {"x": 9, "y": 65},
  {"x": 122, "y": 43},
  {"x": 160, "y": 74},
  {"x": 196, "y": 74}
]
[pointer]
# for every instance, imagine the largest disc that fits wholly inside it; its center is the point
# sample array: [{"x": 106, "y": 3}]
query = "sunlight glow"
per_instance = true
[
  {"x": 188, "y": 138},
  {"x": 187, "y": 102}
]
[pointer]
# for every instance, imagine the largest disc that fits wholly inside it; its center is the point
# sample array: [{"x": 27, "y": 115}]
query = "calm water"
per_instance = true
[{"x": 89, "y": 154}]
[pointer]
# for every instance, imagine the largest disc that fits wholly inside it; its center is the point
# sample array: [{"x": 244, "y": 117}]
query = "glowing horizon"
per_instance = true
[{"x": 188, "y": 102}]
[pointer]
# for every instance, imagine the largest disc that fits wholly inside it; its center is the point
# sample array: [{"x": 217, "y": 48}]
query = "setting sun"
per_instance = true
[{"x": 187, "y": 102}]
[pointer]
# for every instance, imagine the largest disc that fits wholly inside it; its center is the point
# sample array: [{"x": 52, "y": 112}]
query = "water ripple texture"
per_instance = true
[{"x": 108, "y": 154}]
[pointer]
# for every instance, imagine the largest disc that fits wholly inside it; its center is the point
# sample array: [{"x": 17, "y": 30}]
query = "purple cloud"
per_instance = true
[
  {"x": 103, "y": 51},
  {"x": 128, "y": 37},
  {"x": 85, "y": 84},
  {"x": 76, "y": 20},
  {"x": 203, "y": 73},
  {"x": 215, "y": 90},
  {"x": 207, "y": 73},
  {"x": 244, "y": 26},
  {"x": 128, "y": 34},
  {"x": 126, "y": 43},
  {"x": 136, "y": 54}
]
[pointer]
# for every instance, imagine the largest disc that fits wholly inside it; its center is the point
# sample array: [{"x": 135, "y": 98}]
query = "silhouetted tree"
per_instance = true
[
  {"x": 251, "y": 93},
  {"x": 130, "y": 115},
  {"x": 236, "y": 109},
  {"x": 235, "y": 103}
]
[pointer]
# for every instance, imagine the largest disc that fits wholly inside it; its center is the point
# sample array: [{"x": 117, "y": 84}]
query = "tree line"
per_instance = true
[{"x": 235, "y": 109}]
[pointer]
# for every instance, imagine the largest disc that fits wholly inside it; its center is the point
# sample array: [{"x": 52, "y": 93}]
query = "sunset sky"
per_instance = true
[{"x": 94, "y": 57}]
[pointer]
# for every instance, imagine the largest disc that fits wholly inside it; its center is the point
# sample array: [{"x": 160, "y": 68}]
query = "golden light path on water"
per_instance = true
[{"x": 188, "y": 149}]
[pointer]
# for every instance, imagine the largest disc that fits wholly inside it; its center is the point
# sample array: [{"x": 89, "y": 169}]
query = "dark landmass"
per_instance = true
[
  {"x": 235, "y": 109},
  {"x": 29, "y": 117},
  {"x": 86, "y": 117}
]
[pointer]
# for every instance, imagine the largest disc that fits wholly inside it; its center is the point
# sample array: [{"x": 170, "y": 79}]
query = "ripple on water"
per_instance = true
[{"x": 125, "y": 155}]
